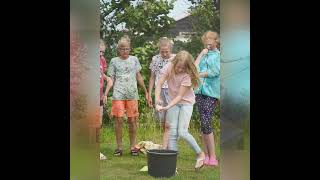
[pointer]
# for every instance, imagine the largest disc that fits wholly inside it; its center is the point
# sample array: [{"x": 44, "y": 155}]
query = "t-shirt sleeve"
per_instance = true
[
  {"x": 152, "y": 64},
  {"x": 137, "y": 65},
  {"x": 186, "y": 81},
  {"x": 214, "y": 67}
]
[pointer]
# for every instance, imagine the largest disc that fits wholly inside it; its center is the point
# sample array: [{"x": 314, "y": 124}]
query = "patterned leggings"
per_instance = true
[{"x": 205, "y": 106}]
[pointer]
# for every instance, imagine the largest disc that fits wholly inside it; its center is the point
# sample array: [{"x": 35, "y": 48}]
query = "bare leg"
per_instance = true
[
  {"x": 132, "y": 131},
  {"x": 165, "y": 135},
  {"x": 211, "y": 146},
  {"x": 204, "y": 142},
  {"x": 101, "y": 115},
  {"x": 118, "y": 129}
]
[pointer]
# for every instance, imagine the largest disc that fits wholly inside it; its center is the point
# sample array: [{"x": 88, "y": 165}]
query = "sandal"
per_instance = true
[
  {"x": 134, "y": 152},
  {"x": 213, "y": 162},
  {"x": 118, "y": 152},
  {"x": 206, "y": 160}
]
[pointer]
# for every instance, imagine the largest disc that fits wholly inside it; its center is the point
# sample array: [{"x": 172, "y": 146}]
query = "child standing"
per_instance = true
[
  {"x": 103, "y": 77},
  {"x": 157, "y": 63},
  {"x": 208, "y": 93},
  {"x": 181, "y": 76},
  {"x": 125, "y": 72}
]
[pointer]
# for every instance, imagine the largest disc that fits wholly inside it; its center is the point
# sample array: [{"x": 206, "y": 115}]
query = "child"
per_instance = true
[
  {"x": 103, "y": 77},
  {"x": 208, "y": 93},
  {"x": 158, "y": 62},
  {"x": 125, "y": 72},
  {"x": 181, "y": 76}
]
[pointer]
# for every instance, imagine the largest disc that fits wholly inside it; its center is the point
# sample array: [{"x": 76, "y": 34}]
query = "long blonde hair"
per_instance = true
[{"x": 191, "y": 69}]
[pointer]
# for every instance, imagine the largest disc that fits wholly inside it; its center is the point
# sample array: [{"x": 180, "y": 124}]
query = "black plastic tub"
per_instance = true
[{"x": 162, "y": 163}]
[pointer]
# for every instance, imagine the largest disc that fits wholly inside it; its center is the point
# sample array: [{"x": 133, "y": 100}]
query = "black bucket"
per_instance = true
[{"x": 162, "y": 163}]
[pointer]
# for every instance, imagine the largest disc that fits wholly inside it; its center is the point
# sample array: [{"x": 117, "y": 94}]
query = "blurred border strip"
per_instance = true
[
  {"x": 84, "y": 89},
  {"x": 235, "y": 89}
]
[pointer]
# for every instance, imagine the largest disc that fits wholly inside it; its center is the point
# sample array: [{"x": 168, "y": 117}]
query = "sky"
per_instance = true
[{"x": 180, "y": 8}]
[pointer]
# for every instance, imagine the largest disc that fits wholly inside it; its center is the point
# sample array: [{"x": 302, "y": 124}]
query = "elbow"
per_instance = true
[{"x": 178, "y": 98}]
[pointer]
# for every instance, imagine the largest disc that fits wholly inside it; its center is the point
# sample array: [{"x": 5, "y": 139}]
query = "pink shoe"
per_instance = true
[
  {"x": 206, "y": 160},
  {"x": 213, "y": 162}
]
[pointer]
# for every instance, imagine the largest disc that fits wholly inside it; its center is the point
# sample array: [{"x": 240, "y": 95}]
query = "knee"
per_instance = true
[
  {"x": 166, "y": 126},
  {"x": 183, "y": 134},
  {"x": 132, "y": 123},
  {"x": 207, "y": 130},
  {"x": 119, "y": 121},
  {"x": 173, "y": 132}
]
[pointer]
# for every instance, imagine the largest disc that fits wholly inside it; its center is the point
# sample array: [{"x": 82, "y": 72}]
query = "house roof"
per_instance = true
[{"x": 181, "y": 16}]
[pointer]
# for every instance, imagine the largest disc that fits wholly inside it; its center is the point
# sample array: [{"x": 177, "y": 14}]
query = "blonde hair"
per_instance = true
[
  {"x": 191, "y": 69},
  {"x": 124, "y": 40},
  {"x": 164, "y": 41},
  {"x": 210, "y": 35}
]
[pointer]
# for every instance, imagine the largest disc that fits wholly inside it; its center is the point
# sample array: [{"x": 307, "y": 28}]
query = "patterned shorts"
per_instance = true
[{"x": 205, "y": 105}]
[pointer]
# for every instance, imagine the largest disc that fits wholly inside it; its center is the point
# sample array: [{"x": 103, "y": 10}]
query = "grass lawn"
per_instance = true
[{"x": 127, "y": 167}]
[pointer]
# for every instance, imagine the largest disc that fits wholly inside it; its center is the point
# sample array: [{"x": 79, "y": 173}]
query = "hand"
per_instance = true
[
  {"x": 147, "y": 97},
  {"x": 158, "y": 107},
  {"x": 150, "y": 101},
  {"x": 204, "y": 51},
  {"x": 161, "y": 108}
]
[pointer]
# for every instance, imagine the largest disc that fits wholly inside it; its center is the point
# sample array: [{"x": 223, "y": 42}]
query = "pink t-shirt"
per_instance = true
[
  {"x": 103, "y": 68},
  {"x": 174, "y": 83}
]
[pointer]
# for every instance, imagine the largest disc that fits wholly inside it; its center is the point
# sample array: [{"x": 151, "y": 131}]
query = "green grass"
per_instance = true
[{"x": 127, "y": 167}]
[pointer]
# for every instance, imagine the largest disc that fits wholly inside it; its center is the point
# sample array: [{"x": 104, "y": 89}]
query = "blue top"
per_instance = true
[{"x": 210, "y": 63}]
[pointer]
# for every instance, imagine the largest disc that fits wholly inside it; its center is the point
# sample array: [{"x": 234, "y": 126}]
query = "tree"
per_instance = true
[
  {"x": 204, "y": 16},
  {"x": 143, "y": 21}
]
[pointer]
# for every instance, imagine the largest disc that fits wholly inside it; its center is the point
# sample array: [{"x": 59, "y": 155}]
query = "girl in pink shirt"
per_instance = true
[{"x": 181, "y": 76}]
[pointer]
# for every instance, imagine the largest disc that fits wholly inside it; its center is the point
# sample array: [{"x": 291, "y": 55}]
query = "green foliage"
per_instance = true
[
  {"x": 205, "y": 16},
  {"x": 145, "y": 22}
]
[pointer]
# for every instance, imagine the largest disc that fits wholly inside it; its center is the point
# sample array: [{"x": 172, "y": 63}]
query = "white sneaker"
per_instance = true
[{"x": 102, "y": 157}]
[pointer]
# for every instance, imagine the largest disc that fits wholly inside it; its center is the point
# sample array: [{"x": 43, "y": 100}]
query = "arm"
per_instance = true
[
  {"x": 151, "y": 84},
  {"x": 160, "y": 83},
  {"x": 141, "y": 83},
  {"x": 181, "y": 93},
  {"x": 197, "y": 61},
  {"x": 105, "y": 77},
  {"x": 213, "y": 69},
  {"x": 203, "y": 74},
  {"x": 109, "y": 85}
]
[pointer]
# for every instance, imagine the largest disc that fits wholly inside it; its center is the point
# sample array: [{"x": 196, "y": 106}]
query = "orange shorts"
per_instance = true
[{"x": 120, "y": 107}]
